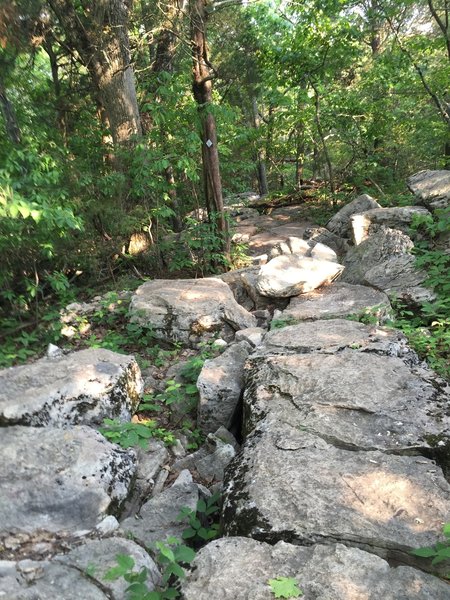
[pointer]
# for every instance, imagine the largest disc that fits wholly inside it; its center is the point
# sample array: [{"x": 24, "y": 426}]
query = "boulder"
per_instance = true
[
  {"x": 431, "y": 188},
  {"x": 340, "y": 223},
  {"x": 401, "y": 279},
  {"x": 242, "y": 283},
  {"x": 190, "y": 311},
  {"x": 252, "y": 335},
  {"x": 96, "y": 557},
  {"x": 291, "y": 275},
  {"x": 235, "y": 568},
  {"x": 333, "y": 241},
  {"x": 398, "y": 217},
  {"x": 289, "y": 484},
  {"x": 293, "y": 245},
  {"x": 220, "y": 386},
  {"x": 60, "y": 479},
  {"x": 320, "y": 251},
  {"x": 158, "y": 518},
  {"x": 83, "y": 387},
  {"x": 339, "y": 300},
  {"x": 375, "y": 250}
]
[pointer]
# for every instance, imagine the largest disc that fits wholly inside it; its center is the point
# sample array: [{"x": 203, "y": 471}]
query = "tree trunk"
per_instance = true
[
  {"x": 9, "y": 116},
  {"x": 202, "y": 88},
  {"x": 260, "y": 157},
  {"x": 61, "y": 110},
  {"x": 98, "y": 31}
]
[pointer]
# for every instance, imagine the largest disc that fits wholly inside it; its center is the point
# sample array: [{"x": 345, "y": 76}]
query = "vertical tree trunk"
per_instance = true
[
  {"x": 260, "y": 155},
  {"x": 9, "y": 116},
  {"x": 61, "y": 111},
  {"x": 202, "y": 88},
  {"x": 324, "y": 143}
]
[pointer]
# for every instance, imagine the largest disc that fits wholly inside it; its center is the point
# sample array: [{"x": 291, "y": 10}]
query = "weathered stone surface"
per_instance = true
[
  {"x": 252, "y": 335},
  {"x": 340, "y": 223},
  {"x": 189, "y": 310},
  {"x": 239, "y": 568},
  {"x": 338, "y": 300},
  {"x": 376, "y": 249},
  {"x": 354, "y": 399},
  {"x": 320, "y": 251},
  {"x": 57, "y": 479},
  {"x": 220, "y": 385},
  {"x": 432, "y": 188},
  {"x": 157, "y": 519},
  {"x": 400, "y": 278},
  {"x": 291, "y": 275},
  {"x": 397, "y": 217},
  {"x": 288, "y": 484},
  {"x": 80, "y": 388},
  {"x": 292, "y": 245},
  {"x": 330, "y": 336},
  {"x": 96, "y": 557},
  {"x": 45, "y": 580},
  {"x": 333, "y": 241},
  {"x": 242, "y": 283}
]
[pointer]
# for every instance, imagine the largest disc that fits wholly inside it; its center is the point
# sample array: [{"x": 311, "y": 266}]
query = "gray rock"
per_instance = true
[
  {"x": 293, "y": 245},
  {"x": 57, "y": 480},
  {"x": 108, "y": 526},
  {"x": 189, "y": 310},
  {"x": 239, "y": 568},
  {"x": 376, "y": 249},
  {"x": 396, "y": 408},
  {"x": 96, "y": 557},
  {"x": 291, "y": 275},
  {"x": 339, "y": 300},
  {"x": 252, "y": 335},
  {"x": 80, "y": 388},
  {"x": 158, "y": 518},
  {"x": 333, "y": 241},
  {"x": 322, "y": 252},
  {"x": 340, "y": 223},
  {"x": 400, "y": 278},
  {"x": 432, "y": 188},
  {"x": 220, "y": 385},
  {"x": 288, "y": 484},
  {"x": 398, "y": 217}
]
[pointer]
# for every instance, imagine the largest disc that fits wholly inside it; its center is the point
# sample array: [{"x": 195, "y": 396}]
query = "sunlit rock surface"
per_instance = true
[
  {"x": 432, "y": 188},
  {"x": 340, "y": 223}
]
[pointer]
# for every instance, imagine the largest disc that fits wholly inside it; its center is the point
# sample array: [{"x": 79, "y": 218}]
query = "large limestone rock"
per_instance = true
[
  {"x": 60, "y": 479},
  {"x": 398, "y": 217},
  {"x": 236, "y": 568},
  {"x": 324, "y": 236},
  {"x": 340, "y": 223},
  {"x": 189, "y": 310},
  {"x": 242, "y": 283},
  {"x": 291, "y": 275},
  {"x": 375, "y": 250},
  {"x": 290, "y": 484},
  {"x": 338, "y": 300},
  {"x": 432, "y": 188},
  {"x": 220, "y": 385},
  {"x": 81, "y": 388}
]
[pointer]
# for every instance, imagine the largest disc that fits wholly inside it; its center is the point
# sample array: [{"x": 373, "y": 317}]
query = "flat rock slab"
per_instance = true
[
  {"x": 290, "y": 485},
  {"x": 291, "y": 274},
  {"x": 239, "y": 568},
  {"x": 80, "y": 388},
  {"x": 60, "y": 480},
  {"x": 332, "y": 335},
  {"x": 432, "y": 188},
  {"x": 336, "y": 301},
  {"x": 353, "y": 399},
  {"x": 189, "y": 310}
]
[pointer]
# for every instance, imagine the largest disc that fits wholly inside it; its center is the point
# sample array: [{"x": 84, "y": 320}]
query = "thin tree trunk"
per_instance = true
[
  {"x": 61, "y": 111},
  {"x": 9, "y": 116},
  {"x": 260, "y": 157},
  {"x": 324, "y": 143},
  {"x": 202, "y": 88}
]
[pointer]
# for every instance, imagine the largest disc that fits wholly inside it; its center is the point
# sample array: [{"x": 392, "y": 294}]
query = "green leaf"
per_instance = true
[
  {"x": 446, "y": 530},
  {"x": 166, "y": 551},
  {"x": 285, "y": 587},
  {"x": 188, "y": 533},
  {"x": 185, "y": 554},
  {"x": 424, "y": 552}
]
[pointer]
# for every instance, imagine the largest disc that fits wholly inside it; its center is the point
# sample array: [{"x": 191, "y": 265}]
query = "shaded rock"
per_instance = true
[
  {"x": 252, "y": 335},
  {"x": 376, "y": 249},
  {"x": 293, "y": 245},
  {"x": 400, "y": 278},
  {"x": 242, "y": 283},
  {"x": 96, "y": 557},
  {"x": 291, "y": 275},
  {"x": 395, "y": 408},
  {"x": 56, "y": 479},
  {"x": 189, "y": 310},
  {"x": 288, "y": 484},
  {"x": 339, "y": 300},
  {"x": 340, "y": 223},
  {"x": 398, "y": 217},
  {"x": 80, "y": 388},
  {"x": 432, "y": 188},
  {"x": 322, "y": 252},
  {"x": 238, "y": 568},
  {"x": 220, "y": 385},
  {"x": 157, "y": 519},
  {"x": 333, "y": 241}
]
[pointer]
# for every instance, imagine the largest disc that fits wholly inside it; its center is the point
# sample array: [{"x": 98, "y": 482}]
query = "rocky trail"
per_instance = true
[{"x": 328, "y": 440}]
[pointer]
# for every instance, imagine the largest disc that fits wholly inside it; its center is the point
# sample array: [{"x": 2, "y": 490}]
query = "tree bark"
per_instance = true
[
  {"x": 9, "y": 116},
  {"x": 203, "y": 74},
  {"x": 261, "y": 170}
]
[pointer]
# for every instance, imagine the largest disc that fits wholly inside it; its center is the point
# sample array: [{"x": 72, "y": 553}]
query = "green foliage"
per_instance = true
[
  {"x": 135, "y": 434},
  {"x": 201, "y": 526},
  {"x": 440, "y": 552},
  {"x": 282, "y": 322},
  {"x": 285, "y": 587}
]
